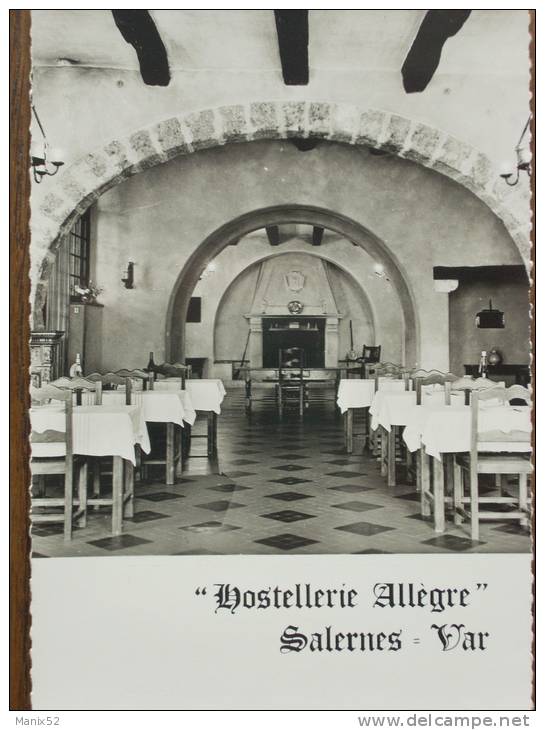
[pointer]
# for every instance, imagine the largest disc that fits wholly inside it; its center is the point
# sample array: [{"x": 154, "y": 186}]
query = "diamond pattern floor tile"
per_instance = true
[
  {"x": 332, "y": 490},
  {"x": 287, "y": 541},
  {"x": 288, "y": 515}
]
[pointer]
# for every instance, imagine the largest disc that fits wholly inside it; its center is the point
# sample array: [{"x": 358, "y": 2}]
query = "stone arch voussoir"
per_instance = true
[{"x": 82, "y": 182}]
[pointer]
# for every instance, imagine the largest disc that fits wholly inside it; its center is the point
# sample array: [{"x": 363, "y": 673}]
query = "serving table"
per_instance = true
[
  {"x": 105, "y": 430},
  {"x": 438, "y": 430}
]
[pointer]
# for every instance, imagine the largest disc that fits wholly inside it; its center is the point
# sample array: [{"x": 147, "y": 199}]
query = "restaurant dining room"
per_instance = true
[{"x": 280, "y": 283}]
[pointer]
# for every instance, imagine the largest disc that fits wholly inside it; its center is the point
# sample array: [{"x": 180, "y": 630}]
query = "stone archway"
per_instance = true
[
  {"x": 82, "y": 182},
  {"x": 280, "y": 215},
  {"x": 362, "y": 293}
]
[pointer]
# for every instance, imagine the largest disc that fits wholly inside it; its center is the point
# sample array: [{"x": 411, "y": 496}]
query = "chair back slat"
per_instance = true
[
  {"x": 112, "y": 380},
  {"x": 391, "y": 371},
  {"x": 291, "y": 363},
  {"x": 502, "y": 395},
  {"x": 371, "y": 353},
  {"x": 424, "y": 379},
  {"x": 172, "y": 370},
  {"x": 136, "y": 375},
  {"x": 64, "y": 395},
  {"x": 468, "y": 385},
  {"x": 78, "y": 386},
  {"x": 49, "y": 392}
]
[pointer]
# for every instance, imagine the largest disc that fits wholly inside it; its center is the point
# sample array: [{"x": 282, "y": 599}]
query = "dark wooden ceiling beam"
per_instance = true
[
  {"x": 139, "y": 30},
  {"x": 292, "y": 32},
  {"x": 317, "y": 235},
  {"x": 273, "y": 234},
  {"x": 425, "y": 53}
]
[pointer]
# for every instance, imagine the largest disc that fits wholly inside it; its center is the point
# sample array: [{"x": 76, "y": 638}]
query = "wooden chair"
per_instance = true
[
  {"x": 429, "y": 494},
  {"x": 112, "y": 381},
  {"x": 260, "y": 386},
  {"x": 390, "y": 371},
  {"x": 291, "y": 385},
  {"x": 169, "y": 370},
  {"x": 388, "y": 447},
  {"x": 52, "y": 453},
  {"x": 424, "y": 379},
  {"x": 140, "y": 379},
  {"x": 170, "y": 442},
  {"x": 485, "y": 457},
  {"x": 468, "y": 384}
]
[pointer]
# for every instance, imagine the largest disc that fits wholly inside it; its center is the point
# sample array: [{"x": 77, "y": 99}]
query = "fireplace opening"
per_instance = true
[{"x": 305, "y": 332}]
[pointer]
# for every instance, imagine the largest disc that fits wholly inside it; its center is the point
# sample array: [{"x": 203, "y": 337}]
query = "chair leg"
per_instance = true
[
  {"x": 349, "y": 430},
  {"x": 438, "y": 496},
  {"x": 68, "y": 499},
  {"x": 212, "y": 433},
  {"x": 170, "y": 468},
  {"x": 523, "y": 498},
  {"x": 391, "y": 468},
  {"x": 179, "y": 451},
  {"x": 117, "y": 496},
  {"x": 96, "y": 478},
  {"x": 82, "y": 493},
  {"x": 425, "y": 482},
  {"x": 474, "y": 502},
  {"x": 128, "y": 497},
  {"x": 457, "y": 492},
  {"x": 383, "y": 448}
]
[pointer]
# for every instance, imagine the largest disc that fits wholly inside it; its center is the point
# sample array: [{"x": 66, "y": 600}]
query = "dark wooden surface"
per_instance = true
[{"x": 19, "y": 121}]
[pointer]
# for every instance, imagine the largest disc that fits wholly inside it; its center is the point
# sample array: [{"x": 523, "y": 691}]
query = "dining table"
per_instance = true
[
  {"x": 440, "y": 431},
  {"x": 100, "y": 430},
  {"x": 174, "y": 408},
  {"x": 389, "y": 411},
  {"x": 207, "y": 395},
  {"x": 354, "y": 394}
]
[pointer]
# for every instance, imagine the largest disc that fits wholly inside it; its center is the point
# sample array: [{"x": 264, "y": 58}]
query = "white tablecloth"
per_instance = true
[
  {"x": 206, "y": 394},
  {"x": 158, "y": 406},
  {"x": 447, "y": 429},
  {"x": 355, "y": 393},
  {"x": 106, "y": 430},
  {"x": 391, "y": 408}
]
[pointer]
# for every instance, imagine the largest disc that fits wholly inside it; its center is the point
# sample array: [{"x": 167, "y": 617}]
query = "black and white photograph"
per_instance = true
[
  {"x": 280, "y": 282},
  {"x": 281, "y": 383}
]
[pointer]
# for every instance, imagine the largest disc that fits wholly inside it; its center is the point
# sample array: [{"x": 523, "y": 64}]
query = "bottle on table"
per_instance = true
[
  {"x": 76, "y": 370},
  {"x": 483, "y": 364}
]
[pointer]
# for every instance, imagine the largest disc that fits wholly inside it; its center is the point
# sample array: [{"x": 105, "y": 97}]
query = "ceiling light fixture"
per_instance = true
[{"x": 43, "y": 161}]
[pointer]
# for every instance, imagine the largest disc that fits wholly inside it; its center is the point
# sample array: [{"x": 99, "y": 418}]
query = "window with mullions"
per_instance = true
[{"x": 79, "y": 243}]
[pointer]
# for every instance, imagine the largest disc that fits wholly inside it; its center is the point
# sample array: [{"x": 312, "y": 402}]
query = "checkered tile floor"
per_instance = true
[{"x": 279, "y": 487}]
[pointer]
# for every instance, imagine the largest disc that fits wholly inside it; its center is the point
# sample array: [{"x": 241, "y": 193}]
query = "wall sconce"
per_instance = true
[
  {"x": 41, "y": 158},
  {"x": 211, "y": 268},
  {"x": 379, "y": 271},
  {"x": 128, "y": 276},
  {"x": 524, "y": 158},
  {"x": 490, "y": 318}
]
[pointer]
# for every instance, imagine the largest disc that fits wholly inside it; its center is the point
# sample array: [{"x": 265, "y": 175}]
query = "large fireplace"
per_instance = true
[
  {"x": 293, "y": 306},
  {"x": 305, "y": 332}
]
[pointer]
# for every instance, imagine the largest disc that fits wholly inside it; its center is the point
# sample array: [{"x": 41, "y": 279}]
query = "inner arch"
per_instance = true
[{"x": 235, "y": 229}]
